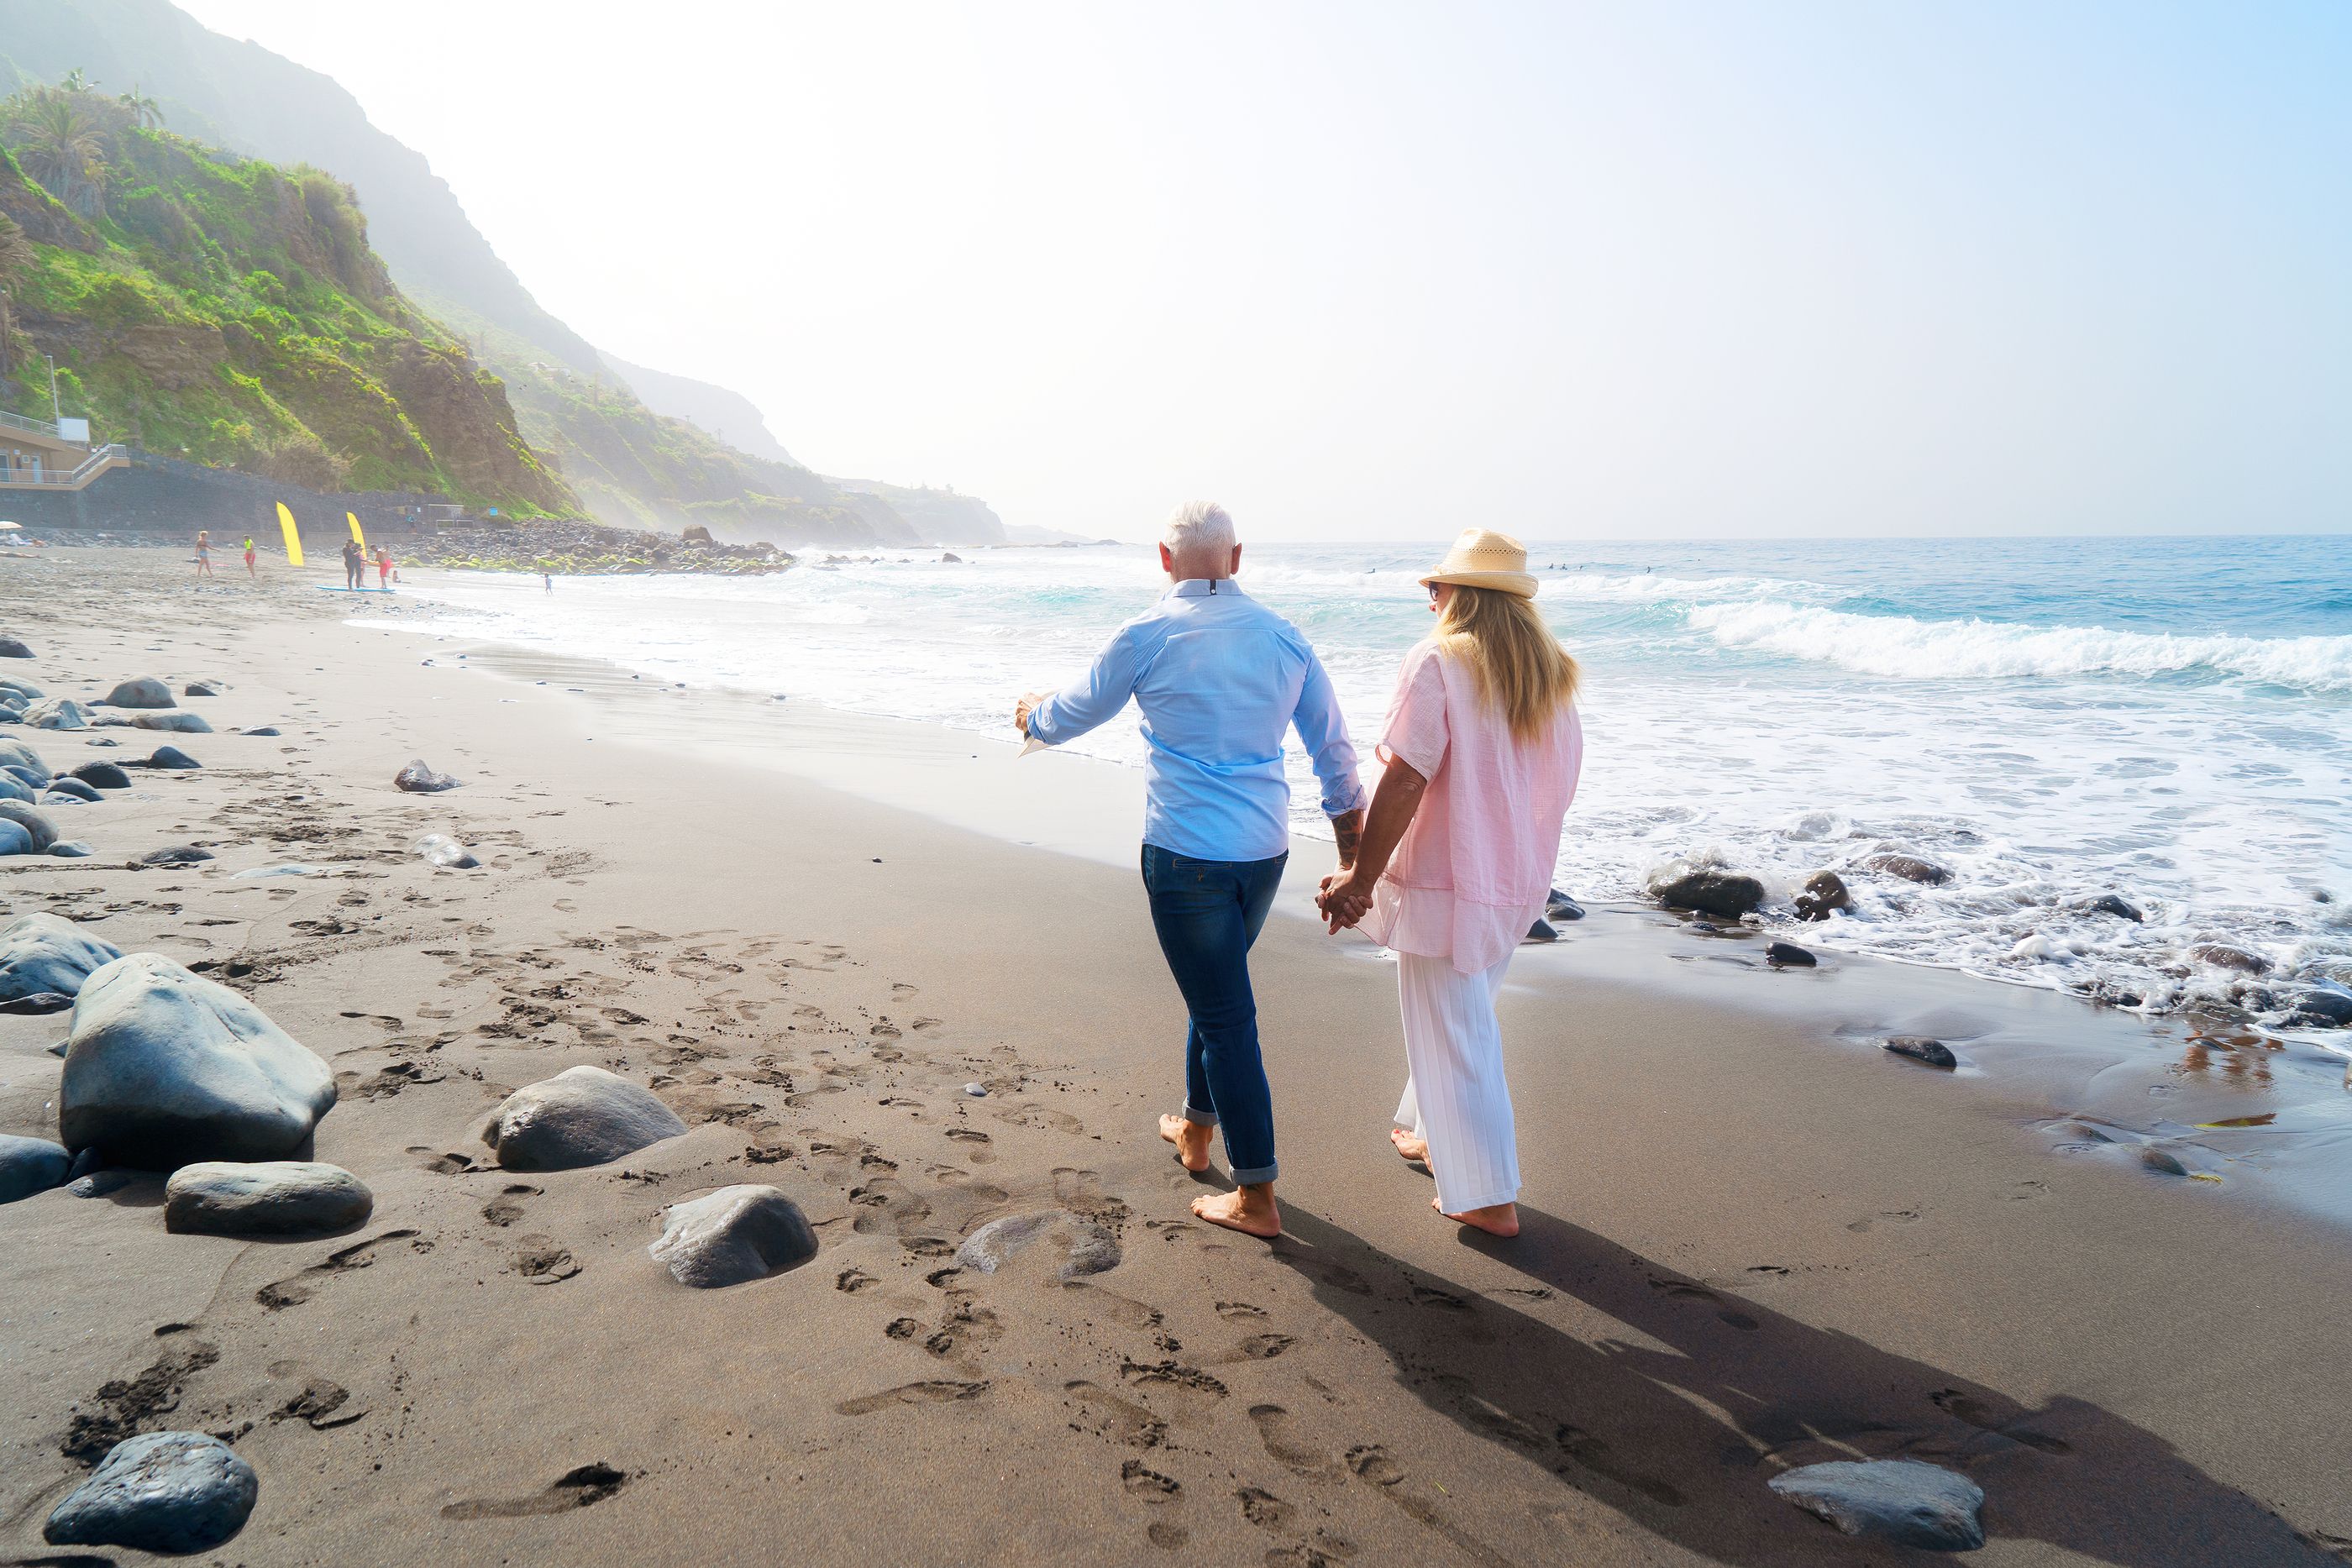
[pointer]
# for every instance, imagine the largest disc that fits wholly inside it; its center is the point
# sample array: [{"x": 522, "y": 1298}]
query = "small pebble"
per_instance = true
[{"x": 977, "y": 1091}]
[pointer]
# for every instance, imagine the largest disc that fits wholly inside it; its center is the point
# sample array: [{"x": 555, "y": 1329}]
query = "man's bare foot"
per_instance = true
[
  {"x": 1192, "y": 1141},
  {"x": 1497, "y": 1219},
  {"x": 1408, "y": 1146},
  {"x": 1249, "y": 1210}
]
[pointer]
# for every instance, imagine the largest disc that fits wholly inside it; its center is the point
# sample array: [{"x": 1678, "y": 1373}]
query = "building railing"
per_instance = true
[
  {"x": 48, "y": 427},
  {"x": 99, "y": 459}
]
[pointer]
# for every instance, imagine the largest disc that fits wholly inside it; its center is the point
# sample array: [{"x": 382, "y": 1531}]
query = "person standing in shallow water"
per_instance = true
[
  {"x": 1483, "y": 746},
  {"x": 1219, "y": 678}
]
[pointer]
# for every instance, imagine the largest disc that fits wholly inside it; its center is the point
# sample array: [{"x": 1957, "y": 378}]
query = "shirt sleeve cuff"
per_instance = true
[{"x": 1341, "y": 805}]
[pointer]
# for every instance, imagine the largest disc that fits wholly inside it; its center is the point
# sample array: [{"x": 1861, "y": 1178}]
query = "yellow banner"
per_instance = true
[
  {"x": 355, "y": 530},
  {"x": 293, "y": 540}
]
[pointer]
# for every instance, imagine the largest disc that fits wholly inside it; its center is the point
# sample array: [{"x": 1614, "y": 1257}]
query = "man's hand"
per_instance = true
[
  {"x": 1030, "y": 703},
  {"x": 1344, "y": 900}
]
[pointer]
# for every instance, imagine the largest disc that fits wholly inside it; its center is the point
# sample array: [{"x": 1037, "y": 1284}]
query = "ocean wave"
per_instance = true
[{"x": 1907, "y": 648}]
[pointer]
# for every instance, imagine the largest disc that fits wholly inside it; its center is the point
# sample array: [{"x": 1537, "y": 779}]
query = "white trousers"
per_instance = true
[{"x": 1454, "y": 1096}]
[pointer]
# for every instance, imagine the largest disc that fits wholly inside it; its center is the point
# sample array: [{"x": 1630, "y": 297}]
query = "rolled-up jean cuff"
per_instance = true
[
  {"x": 1252, "y": 1178},
  {"x": 1199, "y": 1117}
]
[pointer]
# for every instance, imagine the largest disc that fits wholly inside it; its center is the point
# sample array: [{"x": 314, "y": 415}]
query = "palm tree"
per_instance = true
[
  {"x": 15, "y": 260},
  {"x": 145, "y": 112},
  {"x": 63, "y": 145}
]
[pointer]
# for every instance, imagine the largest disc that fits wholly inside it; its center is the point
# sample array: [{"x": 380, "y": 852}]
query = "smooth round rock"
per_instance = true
[
  {"x": 1824, "y": 893},
  {"x": 174, "y": 854},
  {"x": 1788, "y": 955},
  {"x": 66, "y": 785},
  {"x": 164, "y": 1067},
  {"x": 418, "y": 778},
  {"x": 733, "y": 1236},
  {"x": 16, "y": 754},
  {"x": 101, "y": 775},
  {"x": 269, "y": 1197},
  {"x": 2222, "y": 956},
  {"x": 11, "y": 648},
  {"x": 43, "y": 951},
  {"x": 1899, "y": 1500},
  {"x": 15, "y": 788},
  {"x": 1558, "y": 906},
  {"x": 2111, "y": 903},
  {"x": 172, "y": 758},
  {"x": 38, "y": 828},
  {"x": 260, "y": 729},
  {"x": 441, "y": 850},
  {"x": 1540, "y": 931},
  {"x": 160, "y": 1491},
  {"x": 1726, "y": 895},
  {"x": 1919, "y": 1048},
  {"x": 178, "y": 720},
  {"x": 1910, "y": 868},
  {"x": 71, "y": 850},
  {"x": 1091, "y": 1248},
  {"x": 29, "y": 1166},
  {"x": 140, "y": 691},
  {"x": 203, "y": 688},
  {"x": 581, "y": 1116},
  {"x": 15, "y": 840},
  {"x": 39, "y": 1004}
]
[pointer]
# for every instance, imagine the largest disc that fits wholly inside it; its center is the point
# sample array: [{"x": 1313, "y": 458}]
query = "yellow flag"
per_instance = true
[
  {"x": 355, "y": 530},
  {"x": 293, "y": 540}
]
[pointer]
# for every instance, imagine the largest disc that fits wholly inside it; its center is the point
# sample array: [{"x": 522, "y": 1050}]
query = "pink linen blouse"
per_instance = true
[{"x": 1475, "y": 865}]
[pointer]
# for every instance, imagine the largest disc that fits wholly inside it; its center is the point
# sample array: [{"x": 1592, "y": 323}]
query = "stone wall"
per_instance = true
[{"x": 167, "y": 495}]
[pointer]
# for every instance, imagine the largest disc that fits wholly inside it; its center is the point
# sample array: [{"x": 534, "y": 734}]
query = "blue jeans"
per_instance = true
[{"x": 1207, "y": 914}]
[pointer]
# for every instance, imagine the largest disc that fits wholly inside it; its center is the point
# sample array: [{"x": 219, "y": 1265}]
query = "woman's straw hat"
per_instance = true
[{"x": 1482, "y": 558}]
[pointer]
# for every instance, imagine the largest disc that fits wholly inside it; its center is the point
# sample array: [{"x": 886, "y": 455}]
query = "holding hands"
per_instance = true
[{"x": 1346, "y": 898}]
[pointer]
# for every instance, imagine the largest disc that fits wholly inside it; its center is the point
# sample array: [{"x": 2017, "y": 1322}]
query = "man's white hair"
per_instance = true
[{"x": 1198, "y": 530}]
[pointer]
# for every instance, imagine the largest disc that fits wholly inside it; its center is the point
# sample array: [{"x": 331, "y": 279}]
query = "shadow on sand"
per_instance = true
[{"x": 1680, "y": 1439}]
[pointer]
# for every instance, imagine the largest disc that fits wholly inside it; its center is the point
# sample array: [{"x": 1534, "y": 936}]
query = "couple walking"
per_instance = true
[{"x": 1447, "y": 866}]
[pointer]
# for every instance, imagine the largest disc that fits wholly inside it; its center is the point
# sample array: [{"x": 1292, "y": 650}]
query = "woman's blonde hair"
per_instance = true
[{"x": 1520, "y": 666}]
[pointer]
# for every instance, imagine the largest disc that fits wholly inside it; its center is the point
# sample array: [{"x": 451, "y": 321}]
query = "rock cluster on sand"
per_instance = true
[
  {"x": 269, "y": 1197},
  {"x": 1898, "y": 1499},
  {"x": 160, "y": 1491},
  {"x": 733, "y": 1235},
  {"x": 1091, "y": 1248},
  {"x": 565, "y": 549},
  {"x": 1726, "y": 895},
  {"x": 581, "y": 1116},
  {"x": 140, "y": 691},
  {"x": 418, "y": 778},
  {"x": 41, "y": 952},
  {"x": 164, "y": 1067},
  {"x": 38, "y": 829},
  {"x": 29, "y": 1166}
]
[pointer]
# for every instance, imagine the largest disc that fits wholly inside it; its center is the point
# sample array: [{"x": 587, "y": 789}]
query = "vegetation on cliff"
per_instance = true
[{"x": 232, "y": 311}]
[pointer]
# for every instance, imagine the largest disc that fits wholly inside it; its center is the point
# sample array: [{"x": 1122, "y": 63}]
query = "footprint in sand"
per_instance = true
[
  {"x": 541, "y": 1261},
  {"x": 936, "y": 1393},
  {"x": 576, "y": 1488},
  {"x": 975, "y": 1143},
  {"x": 1190, "y": 1390},
  {"x": 1966, "y": 1407},
  {"x": 1265, "y": 1346},
  {"x": 1595, "y": 1455},
  {"x": 1109, "y": 1306},
  {"x": 1264, "y": 1508},
  {"x": 853, "y": 1280},
  {"x": 1275, "y": 1429},
  {"x": 1239, "y": 1311},
  {"x": 507, "y": 1207},
  {"x": 1121, "y": 1420},
  {"x": 1041, "y": 1117},
  {"x": 302, "y": 1287},
  {"x": 1687, "y": 1290}
]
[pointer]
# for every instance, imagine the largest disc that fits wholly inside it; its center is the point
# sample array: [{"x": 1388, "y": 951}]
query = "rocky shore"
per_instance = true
[{"x": 563, "y": 548}]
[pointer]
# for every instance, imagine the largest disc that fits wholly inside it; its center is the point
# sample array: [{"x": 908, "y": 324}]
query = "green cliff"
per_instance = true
[{"x": 231, "y": 312}]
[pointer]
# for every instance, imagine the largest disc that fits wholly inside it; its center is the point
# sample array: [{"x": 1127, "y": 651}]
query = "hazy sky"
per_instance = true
[{"x": 1358, "y": 269}]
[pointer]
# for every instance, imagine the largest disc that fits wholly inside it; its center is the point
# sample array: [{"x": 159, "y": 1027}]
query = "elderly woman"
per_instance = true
[{"x": 1481, "y": 747}]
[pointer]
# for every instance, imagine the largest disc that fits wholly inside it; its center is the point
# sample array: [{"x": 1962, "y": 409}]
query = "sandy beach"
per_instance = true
[{"x": 1754, "y": 1240}]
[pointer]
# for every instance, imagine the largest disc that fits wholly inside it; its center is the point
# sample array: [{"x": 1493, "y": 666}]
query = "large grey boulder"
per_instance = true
[
  {"x": 43, "y": 951},
  {"x": 1087, "y": 1245},
  {"x": 164, "y": 1067},
  {"x": 269, "y": 1197},
  {"x": 56, "y": 713},
  {"x": 16, "y": 754},
  {"x": 178, "y": 720},
  {"x": 140, "y": 691},
  {"x": 103, "y": 774},
  {"x": 16, "y": 839},
  {"x": 160, "y": 1491},
  {"x": 1899, "y": 1500},
  {"x": 418, "y": 778},
  {"x": 15, "y": 788},
  {"x": 29, "y": 1166},
  {"x": 733, "y": 1235},
  {"x": 72, "y": 788},
  {"x": 1726, "y": 895},
  {"x": 13, "y": 648},
  {"x": 581, "y": 1116},
  {"x": 36, "y": 827},
  {"x": 170, "y": 759}
]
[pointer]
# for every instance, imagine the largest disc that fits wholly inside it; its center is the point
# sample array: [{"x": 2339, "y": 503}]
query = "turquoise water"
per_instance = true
[{"x": 2169, "y": 720}]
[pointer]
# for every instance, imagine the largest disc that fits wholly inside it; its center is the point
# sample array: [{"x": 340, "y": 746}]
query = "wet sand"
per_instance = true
[{"x": 1754, "y": 1241}]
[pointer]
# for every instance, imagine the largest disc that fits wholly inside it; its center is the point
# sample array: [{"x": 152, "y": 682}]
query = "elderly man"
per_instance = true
[{"x": 1219, "y": 679}]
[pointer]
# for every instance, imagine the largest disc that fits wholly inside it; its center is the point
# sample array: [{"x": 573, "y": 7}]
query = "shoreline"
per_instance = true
[{"x": 1746, "y": 1248}]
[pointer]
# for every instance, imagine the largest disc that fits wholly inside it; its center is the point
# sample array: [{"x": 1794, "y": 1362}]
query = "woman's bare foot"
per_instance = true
[
  {"x": 1192, "y": 1141},
  {"x": 1248, "y": 1209},
  {"x": 1408, "y": 1146},
  {"x": 1497, "y": 1219}
]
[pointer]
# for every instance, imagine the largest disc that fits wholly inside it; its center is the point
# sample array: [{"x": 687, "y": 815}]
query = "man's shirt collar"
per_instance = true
[{"x": 1203, "y": 587}]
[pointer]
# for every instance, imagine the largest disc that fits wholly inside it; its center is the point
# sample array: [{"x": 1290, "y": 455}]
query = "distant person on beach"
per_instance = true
[
  {"x": 1219, "y": 679},
  {"x": 1483, "y": 746},
  {"x": 249, "y": 570},
  {"x": 382, "y": 566},
  {"x": 204, "y": 552},
  {"x": 354, "y": 563},
  {"x": 548, "y": 579}
]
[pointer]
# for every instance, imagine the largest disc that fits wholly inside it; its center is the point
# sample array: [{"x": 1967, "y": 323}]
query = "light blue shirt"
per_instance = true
[{"x": 1219, "y": 678}]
